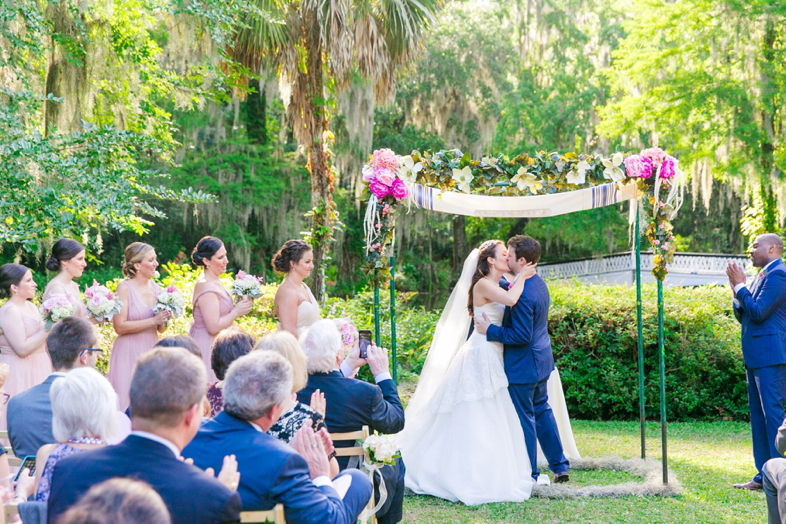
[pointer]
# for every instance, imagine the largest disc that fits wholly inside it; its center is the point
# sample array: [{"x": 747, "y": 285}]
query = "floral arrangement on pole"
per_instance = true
[
  {"x": 170, "y": 299},
  {"x": 246, "y": 286},
  {"x": 55, "y": 308},
  {"x": 101, "y": 303},
  {"x": 656, "y": 174},
  {"x": 389, "y": 178}
]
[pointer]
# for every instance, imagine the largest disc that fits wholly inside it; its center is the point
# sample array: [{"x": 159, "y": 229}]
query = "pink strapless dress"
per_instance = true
[
  {"x": 28, "y": 371},
  {"x": 199, "y": 331},
  {"x": 128, "y": 348},
  {"x": 81, "y": 309}
]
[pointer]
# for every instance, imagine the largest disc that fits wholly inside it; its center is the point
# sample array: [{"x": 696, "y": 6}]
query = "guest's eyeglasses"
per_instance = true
[
  {"x": 91, "y": 350},
  {"x": 4, "y": 398}
]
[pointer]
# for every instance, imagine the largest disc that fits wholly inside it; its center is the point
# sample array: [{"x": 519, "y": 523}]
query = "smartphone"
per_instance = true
[
  {"x": 364, "y": 336},
  {"x": 28, "y": 462}
]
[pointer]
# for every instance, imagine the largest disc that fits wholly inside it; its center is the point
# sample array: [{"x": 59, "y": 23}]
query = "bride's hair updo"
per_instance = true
[
  {"x": 291, "y": 251},
  {"x": 64, "y": 250},
  {"x": 486, "y": 250}
]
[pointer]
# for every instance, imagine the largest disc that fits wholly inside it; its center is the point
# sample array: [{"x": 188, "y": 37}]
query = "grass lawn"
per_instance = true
[{"x": 706, "y": 457}]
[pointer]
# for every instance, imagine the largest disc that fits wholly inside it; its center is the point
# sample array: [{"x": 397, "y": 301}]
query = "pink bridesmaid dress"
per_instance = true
[
  {"x": 199, "y": 331},
  {"x": 28, "y": 371},
  {"x": 128, "y": 348},
  {"x": 81, "y": 309}
]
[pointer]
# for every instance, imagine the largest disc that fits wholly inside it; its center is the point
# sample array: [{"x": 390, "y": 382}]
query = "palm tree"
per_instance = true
[{"x": 313, "y": 43}]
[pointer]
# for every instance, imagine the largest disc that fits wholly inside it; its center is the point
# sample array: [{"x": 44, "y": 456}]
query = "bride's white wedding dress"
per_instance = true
[{"x": 463, "y": 440}]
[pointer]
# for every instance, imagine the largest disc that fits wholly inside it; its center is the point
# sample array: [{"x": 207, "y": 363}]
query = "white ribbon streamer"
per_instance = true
[{"x": 372, "y": 468}]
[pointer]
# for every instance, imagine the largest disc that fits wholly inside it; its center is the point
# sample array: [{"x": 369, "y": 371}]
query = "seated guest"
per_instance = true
[
  {"x": 352, "y": 404},
  {"x": 773, "y": 476},
  {"x": 118, "y": 501},
  {"x": 84, "y": 416},
  {"x": 71, "y": 344},
  {"x": 180, "y": 341},
  {"x": 229, "y": 345},
  {"x": 295, "y": 415},
  {"x": 271, "y": 471},
  {"x": 166, "y": 394}
]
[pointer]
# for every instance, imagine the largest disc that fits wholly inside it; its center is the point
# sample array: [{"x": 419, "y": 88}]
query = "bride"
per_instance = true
[{"x": 463, "y": 440}]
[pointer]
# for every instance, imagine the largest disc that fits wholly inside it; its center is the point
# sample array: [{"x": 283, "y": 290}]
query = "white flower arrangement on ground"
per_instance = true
[
  {"x": 382, "y": 449},
  {"x": 101, "y": 303},
  {"x": 246, "y": 285},
  {"x": 170, "y": 300},
  {"x": 55, "y": 308}
]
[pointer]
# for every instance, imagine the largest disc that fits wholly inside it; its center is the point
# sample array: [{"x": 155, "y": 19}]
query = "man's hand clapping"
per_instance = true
[{"x": 735, "y": 273}]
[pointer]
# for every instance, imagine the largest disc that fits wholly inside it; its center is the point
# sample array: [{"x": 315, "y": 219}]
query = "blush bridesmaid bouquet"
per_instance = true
[
  {"x": 55, "y": 308},
  {"x": 101, "y": 303},
  {"x": 246, "y": 286},
  {"x": 170, "y": 299}
]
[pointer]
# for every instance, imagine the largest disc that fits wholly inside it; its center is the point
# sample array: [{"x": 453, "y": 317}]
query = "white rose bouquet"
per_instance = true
[
  {"x": 54, "y": 308},
  {"x": 382, "y": 449},
  {"x": 170, "y": 300},
  {"x": 246, "y": 286},
  {"x": 101, "y": 303}
]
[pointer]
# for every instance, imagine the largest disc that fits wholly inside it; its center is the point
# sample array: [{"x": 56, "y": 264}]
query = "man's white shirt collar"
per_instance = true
[
  {"x": 160, "y": 440},
  {"x": 743, "y": 284}
]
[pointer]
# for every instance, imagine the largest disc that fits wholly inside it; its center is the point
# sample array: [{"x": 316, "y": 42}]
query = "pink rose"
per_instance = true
[
  {"x": 385, "y": 176},
  {"x": 634, "y": 167},
  {"x": 379, "y": 189},
  {"x": 170, "y": 288},
  {"x": 384, "y": 158},
  {"x": 110, "y": 296},
  {"x": 241, "y": 275},
  {"x": 368, "y": 173},
  {"x": 399, "y": 189},
  {"x": 656, "y": 154},
  {"x": 95, "y": 301},
  {"x": 668, "y": 167}
]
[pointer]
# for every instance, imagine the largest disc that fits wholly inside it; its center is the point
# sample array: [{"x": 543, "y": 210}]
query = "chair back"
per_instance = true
[
  {"x": 275, "y": 515},
  {"x": 356, "y": 451}
]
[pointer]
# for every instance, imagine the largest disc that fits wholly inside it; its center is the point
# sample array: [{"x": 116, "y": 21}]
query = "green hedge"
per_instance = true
[{"x": 594, "y": 338}]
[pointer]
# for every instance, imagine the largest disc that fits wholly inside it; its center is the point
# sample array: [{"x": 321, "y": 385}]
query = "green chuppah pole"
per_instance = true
[
  {"x": 640, "y": 330},
  {"x": 662, "y": 366},
  {"x": 393, "y": 315},
  {"x": 376, "y": 308}
]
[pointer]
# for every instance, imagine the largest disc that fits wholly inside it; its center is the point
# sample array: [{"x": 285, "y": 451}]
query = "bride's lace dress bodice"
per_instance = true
[{"x": 478, "y": 371}]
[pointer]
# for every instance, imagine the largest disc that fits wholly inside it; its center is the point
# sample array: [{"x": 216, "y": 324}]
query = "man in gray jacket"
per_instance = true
[
  {"x": 71, "y": 344},
  {"x": 773, "y": 476}
]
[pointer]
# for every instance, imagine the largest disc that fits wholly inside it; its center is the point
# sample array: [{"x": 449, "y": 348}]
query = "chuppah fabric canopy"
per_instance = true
[{"x": 521, "y": 206}]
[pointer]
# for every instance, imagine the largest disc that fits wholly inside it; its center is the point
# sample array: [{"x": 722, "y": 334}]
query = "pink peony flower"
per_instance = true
[
  {"x": 241, "y": 275},
  {"x": 634, "y": 166},
  {"x": 648, "y": 168},
  {"x": 668, "y": 167},
  {"x": 399, "y": 189},
  {"x": 379, "y": 189},
  {"x": 384, "y": 158},
  {"x": 656, "y": 154},
  {"x": 385, "y": 176}
]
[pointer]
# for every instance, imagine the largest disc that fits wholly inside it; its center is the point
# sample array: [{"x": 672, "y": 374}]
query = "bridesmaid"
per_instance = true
[
  {"x": 136, "y": 325},
  {"x": 294, "y": 304},
  {"x": 68, "y": 261},
  {"x": 23, "y": 338},
  {"x": 212, "y": 304}
]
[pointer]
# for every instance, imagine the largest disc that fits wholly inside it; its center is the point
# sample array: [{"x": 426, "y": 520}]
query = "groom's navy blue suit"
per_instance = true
[
  {"x": 762, "y": 313},
  {"x": 528, "y": 364}
]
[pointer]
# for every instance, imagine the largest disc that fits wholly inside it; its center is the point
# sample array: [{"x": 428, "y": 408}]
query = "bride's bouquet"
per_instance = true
[
  {"x": 55, "y": 308},
  {"x": 382, "y": 449},
  {"x": 246, "y": 286},
  {"x": 170, "y": 300},
  {"x": 101, "y": 303}
]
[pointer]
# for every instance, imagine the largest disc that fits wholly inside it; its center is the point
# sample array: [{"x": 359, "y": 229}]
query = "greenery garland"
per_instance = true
[{"x": 389, "y": 179}]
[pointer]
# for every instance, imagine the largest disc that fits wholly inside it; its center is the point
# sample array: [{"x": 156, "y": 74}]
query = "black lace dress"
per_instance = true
[{"x": 293, "y": 420}]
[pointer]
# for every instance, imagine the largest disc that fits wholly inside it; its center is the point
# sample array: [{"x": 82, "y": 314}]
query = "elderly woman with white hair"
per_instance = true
[
  {"x": 352, "y": 404},
  {"x": 84, "y": 417}
]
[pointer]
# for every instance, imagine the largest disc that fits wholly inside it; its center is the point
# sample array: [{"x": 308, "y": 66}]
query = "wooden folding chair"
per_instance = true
[
  {"x": 10, "y": 510},
  {"x": 275, "y": 515},
  {"x": 356, "y": 450}
]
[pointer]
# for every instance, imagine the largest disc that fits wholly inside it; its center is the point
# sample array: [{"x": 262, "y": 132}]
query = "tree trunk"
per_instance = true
[
  {"x": 309, "y": 91},
  {"x": 460, "y": 250}
]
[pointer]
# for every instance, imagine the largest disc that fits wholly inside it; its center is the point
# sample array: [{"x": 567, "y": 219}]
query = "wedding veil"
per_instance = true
[{"x": 450, "y": 333}]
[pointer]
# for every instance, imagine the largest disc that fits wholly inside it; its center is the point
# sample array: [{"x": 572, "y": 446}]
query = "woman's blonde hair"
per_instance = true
[
  {"x": 134, "y": 254},
  {"x": 286, "y": 345}
]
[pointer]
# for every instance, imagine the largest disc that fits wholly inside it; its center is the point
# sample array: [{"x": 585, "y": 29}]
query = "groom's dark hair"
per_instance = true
[{"x": 525, "y": 246}]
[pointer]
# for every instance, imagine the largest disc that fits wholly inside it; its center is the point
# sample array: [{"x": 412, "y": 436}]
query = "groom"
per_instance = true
[{"x": 528, "y": 359}]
